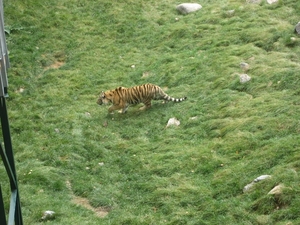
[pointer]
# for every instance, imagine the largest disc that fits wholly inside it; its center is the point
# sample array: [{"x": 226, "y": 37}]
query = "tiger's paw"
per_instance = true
[
  {"x": 122, "y": 111},
  {"x": 144, "y": 107}
]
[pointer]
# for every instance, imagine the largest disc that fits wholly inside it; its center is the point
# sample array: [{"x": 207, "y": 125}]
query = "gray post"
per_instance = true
[{"x": 7, "y": 156}]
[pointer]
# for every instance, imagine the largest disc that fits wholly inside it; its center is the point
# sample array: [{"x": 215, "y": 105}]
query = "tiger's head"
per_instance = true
[
  {"x": 110, "y": 96},
  {"x": 104, "y": 98}
]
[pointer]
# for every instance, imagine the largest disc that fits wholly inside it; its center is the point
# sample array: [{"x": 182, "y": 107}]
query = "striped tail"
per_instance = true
[{"x": 168, "y": 98}]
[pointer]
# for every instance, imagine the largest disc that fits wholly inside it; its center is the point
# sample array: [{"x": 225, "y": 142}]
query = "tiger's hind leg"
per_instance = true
[{"x": 147, "y": 104}]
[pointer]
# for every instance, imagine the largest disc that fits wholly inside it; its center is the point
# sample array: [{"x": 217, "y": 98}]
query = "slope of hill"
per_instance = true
[{"x": 94, "y": 168}]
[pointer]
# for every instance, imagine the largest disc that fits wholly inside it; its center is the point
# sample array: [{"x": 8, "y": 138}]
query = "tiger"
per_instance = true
[{"x": 122, "y": 97}]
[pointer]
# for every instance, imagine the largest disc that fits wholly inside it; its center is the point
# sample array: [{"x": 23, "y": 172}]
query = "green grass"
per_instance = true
[{"x": 64, "y": 53}]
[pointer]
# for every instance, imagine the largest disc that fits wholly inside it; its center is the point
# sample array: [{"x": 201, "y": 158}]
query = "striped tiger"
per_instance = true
[{"x": 122, "y": 97}]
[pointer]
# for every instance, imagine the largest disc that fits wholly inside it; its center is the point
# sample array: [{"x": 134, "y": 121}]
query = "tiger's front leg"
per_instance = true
[
  {"x": 124, "y": 110},
  {"x": 115, "y": 107}
]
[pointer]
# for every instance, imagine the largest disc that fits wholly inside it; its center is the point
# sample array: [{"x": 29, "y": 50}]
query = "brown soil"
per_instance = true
[{"x": 84, "y": 202}]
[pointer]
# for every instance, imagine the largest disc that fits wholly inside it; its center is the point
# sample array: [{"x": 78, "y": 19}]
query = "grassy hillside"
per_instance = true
[{"x": 90, "y": 167}]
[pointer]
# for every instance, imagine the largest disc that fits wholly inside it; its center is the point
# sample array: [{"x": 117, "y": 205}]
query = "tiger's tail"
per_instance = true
[
  {"x": 169, "y": 98},
  {"x": 159, "y": 94}
]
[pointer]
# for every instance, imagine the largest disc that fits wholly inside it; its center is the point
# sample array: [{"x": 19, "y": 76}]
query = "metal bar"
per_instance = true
[
  {"x": 3, "y": 44},
  {"x": 2, "y": 92},
  {"x": 3, "y": 71},
  {"x": 3, "y": 54},
  {"x": 2, "y": 209},
  {"x": 7, "y": 165},
  {"x": 12, "y": 209},
  {"x": 18, "y": 213},
  {"x": 7, "y": 141},
  {"x": 15, "y": 215}
]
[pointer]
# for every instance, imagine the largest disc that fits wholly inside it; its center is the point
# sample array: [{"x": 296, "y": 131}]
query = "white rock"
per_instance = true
[
  {"x": 48, "y": 215},
  {"x": 186, "y": 8},
  {"x": 244, "y": 78},
  {"x": 248, "y": 187},
  {"x": 173, "y": 121},
  {"x": 272, "y": 1},
  {"x": 262, "y": 177},
  {"x": 297, "y": 28},
  {"x": 230, "y": 12}
]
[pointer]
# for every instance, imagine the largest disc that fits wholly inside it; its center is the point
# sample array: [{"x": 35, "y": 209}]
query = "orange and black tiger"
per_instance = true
[{"x": 122, "y": 97}]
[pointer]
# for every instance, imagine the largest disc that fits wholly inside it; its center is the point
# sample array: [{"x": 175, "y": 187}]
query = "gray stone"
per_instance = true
[
  {"x": 48, "y": 215},
  {"x": 297, "y": 28},
  {"x": 244, "y": 78},
  {"x": 173, "y": 121},
  {"x": 244, "y": 66},
  {"x": 272, "y": 1},
  {"x": 230, "y": 12},
  {"x": 249, "y": 186},
  {"x": 186, "y": 8},
  {"x": 262, "y": 177},
  {"x": 277, "y": 190}
]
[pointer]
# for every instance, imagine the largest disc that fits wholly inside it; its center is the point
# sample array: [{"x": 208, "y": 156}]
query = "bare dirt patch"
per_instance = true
[
  {"x": 55, "y": 65},
  {"x": 99, "y": 211}
]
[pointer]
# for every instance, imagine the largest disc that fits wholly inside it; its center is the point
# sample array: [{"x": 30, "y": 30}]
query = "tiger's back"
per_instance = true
[{"x": 122, "y": 97}]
